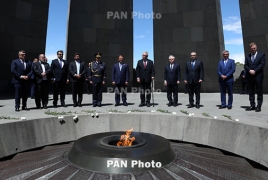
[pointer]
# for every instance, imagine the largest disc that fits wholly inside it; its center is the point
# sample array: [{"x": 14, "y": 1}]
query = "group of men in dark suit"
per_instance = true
[
  {"x": 61, "y": 72},
  {"x": 193, "y": 77}
]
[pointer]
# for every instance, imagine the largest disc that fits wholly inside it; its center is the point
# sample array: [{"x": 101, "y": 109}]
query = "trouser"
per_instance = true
[
  {"x": 97, "y": 92},
  {"x": 145, "y": 87},
  {"x": 120, "y": 88},
  {"x": 194, "y": 89},
  {"x": 172, "y": 88}
]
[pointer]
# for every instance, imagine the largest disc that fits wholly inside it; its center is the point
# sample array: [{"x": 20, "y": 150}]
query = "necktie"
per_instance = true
[
  {"x": 61, "y": 63},
  {"x": 225, "y": 61},
  {"x": 252, "y": 57},
  {"x": 24, "y": 64},
  {"x": 144, "y": 64},
  {"x": 78, "y": 67},
  {"x": 192, "y": 64},
  {"x": 171, "y": 67}
]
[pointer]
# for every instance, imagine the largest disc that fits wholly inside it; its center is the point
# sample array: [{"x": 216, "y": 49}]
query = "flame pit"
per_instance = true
[{"x": 100, "y": 153}]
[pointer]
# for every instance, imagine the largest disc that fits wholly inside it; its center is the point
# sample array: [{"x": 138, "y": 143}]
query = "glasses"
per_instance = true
[
  {"x": 22, "y": 54},
  {"x": 60, "y": 54},
  {"x": 171, "y": 59}
]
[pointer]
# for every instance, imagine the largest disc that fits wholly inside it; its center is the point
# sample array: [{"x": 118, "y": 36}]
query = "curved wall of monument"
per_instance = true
[{"x": 242, "y": 139}]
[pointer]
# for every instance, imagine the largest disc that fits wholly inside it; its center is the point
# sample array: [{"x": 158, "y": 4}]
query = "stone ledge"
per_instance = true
[{"x": 242, "y": 139}]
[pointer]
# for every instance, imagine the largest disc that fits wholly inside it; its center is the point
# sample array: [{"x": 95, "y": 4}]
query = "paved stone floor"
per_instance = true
[{"x": 209, "y": 105}]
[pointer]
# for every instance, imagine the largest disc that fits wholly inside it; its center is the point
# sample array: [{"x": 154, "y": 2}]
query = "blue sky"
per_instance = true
[{"x": 143, "y": 29}]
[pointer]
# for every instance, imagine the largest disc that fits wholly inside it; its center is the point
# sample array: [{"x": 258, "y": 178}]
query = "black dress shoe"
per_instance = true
[
  {"x": 141, "y": 104},
  {"x": 222, "y": 107},
  {"x": 79, "y": 104},
  {"x": 229, "y": 107},
  {"x": 197, "y": 106},
  {"x": 17, "y": 109},
  {"x": 125, "y": 104},
  {"x": 25, "y": 109},
  {"x": 251, "y": 108},
  {"x": 75, "y": 105},
  {"x": 175, "y": 104},
  {"x": 148, "y": 104},
  {"x": 190, "y": 106},
  {"x": 116, "y": 104},
  {"x": 55, "y": 105},
  {"x": 94, "y": 105},
  {"x": 45, "y": 106},
  {"x": 169, "y": 104},
  {"x": 63, "y": 105},
  {"x": 258, "y": 109},
  {"x": 99, "y": 105}
]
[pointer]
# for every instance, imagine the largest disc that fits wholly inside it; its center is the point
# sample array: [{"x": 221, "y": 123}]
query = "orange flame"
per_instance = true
[{"x": 125, "y": 139}]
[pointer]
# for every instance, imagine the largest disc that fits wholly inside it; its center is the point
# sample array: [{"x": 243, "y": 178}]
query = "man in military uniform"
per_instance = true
[{"x": 97, "y": 77}]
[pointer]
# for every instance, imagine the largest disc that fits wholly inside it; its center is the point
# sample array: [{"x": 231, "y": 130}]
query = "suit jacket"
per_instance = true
[
  {"x": 243, "y": 73},
  {"x": 73, "y": 71},
  {"x": 120, "y": 77},
  {"x": 257, "y": 66},
  {"x": 37, "y": 69},
  {"x": 174, "y": 75},
  {"x": 228, "y": 70},
  {"x": 145, "y": 74},
  {"x": 57, "y": 72},
  {"x": 17, "y": 68},
  {"x": 194, "y": 75},
  {"x": 97, "y": 72}
]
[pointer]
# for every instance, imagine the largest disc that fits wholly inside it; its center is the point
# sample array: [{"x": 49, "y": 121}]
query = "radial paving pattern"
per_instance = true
[{"x": 191, "y": 162}]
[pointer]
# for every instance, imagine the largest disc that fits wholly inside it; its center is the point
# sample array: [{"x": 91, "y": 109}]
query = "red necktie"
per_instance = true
[{"x": 144, "y": 64}]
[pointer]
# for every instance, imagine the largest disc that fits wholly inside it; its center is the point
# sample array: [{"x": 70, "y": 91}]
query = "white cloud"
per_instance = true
[
  {"x": 140, "y": 36},
  {"x": 238, "y": 57},
  {"x": 233, "y": 24},
  {"x": 237, "y": 41}
]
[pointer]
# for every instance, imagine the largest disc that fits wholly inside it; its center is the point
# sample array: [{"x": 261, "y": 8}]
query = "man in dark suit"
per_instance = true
[
  {"x": 226, "y": 69},
  {"x": 77, "y": 79},
  {"x": 41, "y": 70},
  {"x": 87, "y": 79},
  {"x": 22, "y": 70},
  {"x": 33, "y": 81},
  {"x": 243, "y": 81},
  {"x": 194, "y": 76},
  {"x": 59, "y": 68},
  {"x": 97, "y": 77},
  {"x": 172, "y": 77},
  {"x": 254, "y": 64},
  {"x": 145, "y": 74},
  {"x": 120, "y": 78}
]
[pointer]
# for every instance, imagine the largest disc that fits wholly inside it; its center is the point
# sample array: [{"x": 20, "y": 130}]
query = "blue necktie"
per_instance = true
[
  {"x": 192, "y": 64},
  {"x": 252, "y": 57},
  {"x": 225, "y": 61},
  {"x": 61, "y": 63}
]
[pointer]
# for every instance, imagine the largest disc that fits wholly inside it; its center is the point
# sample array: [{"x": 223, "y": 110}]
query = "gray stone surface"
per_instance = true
[
  {"x": 90, "y": 30},
  {"x": 23, "y": 26},
  {"x": 254, "y": 18},
  {"x": 188, "y": 26},
  {"x": 247, "y": 137}
]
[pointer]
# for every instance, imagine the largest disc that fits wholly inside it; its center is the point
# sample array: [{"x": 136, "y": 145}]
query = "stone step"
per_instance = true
[
  {"x": 195, "y": 170},
  {"x": 200, "y": 149},
  {"x": 223, "y": 158},
  {"x": 231, "y": 171},
  {"x": 181, "y": 144}
]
